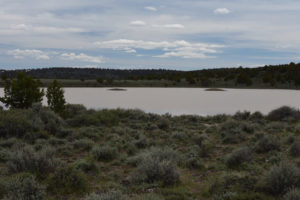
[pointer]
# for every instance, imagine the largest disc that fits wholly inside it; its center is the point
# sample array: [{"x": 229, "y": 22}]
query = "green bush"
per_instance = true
[
  {"x": 206, "y": 149},
  {"x": 86, "y": 165},
  {"x": 225, "y": 196},
  {"x": 235, "y": 131},
  {"x": 257, "y": 116},
  {"x": 267, "y": 143},
  {"x": 24, "y": 187},
  {"x": 4, "y": 155},
  {"x": 293, "y": 194},
  {"x": 192, "y": 158},
  {"x": 88, "y": 132},
  {"x": 10, "y": 142},
  {"x": 231, "y": 182},
  {"x": 290, "y": 139},
  {"x": 156, "y": 165},
  {"x": 141, "y": 142},
  {"x": 104, "y": 153},
  {"x": 295, "y": 148},
  {"x": 27, "y": 160},
  {"x": 155, "y": 153},
  {"x": 238, "y": 156},
  {"x": 152, "y": 170},
  {"x": 83, "y": 144},
  {"x": 279, "y": 179},
  {"x": 150, "y": 196},
  {"x": 15, "y": 123},
  {"x": 242, "y": 115},
  {"x": 53, "y": 123},
  {"x": 68, "y": 180},
  {"x": 74, "y": 109},
  {"x": 111, "y": 195},
  {"x": 284, "y": 113},
  {"x": 163, "y": 123}
]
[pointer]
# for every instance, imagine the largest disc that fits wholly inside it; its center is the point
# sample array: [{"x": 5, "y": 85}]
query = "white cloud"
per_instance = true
[
  {"x": 178, "y": 48},
  {"x": 222, "y": 11},
  {"x": 33, "y": 53},
  {"x": 81, "y": 57},
  {"x": 138, "y": 23},
  {"x": 45, "y": 29},
  {"x": 150, "y": 8},
  {"x": 19, "y": 27},
  {"x": 174, "y": 26}
]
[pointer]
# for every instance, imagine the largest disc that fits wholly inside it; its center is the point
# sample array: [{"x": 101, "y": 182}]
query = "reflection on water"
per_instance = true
[{"x": 183, "y": 100}]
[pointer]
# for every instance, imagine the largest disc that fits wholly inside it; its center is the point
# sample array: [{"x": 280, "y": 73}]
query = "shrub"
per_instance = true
[
  {"x": 295, "y": 148},
  {"x": 180, "y": 136},
  {"x": 279, "y": 179},
  {"x": 104, "y": 153},
  {"x": 89, "y": 132},
  {"x": 15, "y": 123},
  {"x": 8, "y": 143},
  {"x": 242, "y": 115},
  {"x": 257, "y": 116},
  {"x": 275, "y": 127},
  {"x": 152, "y": 170},
  {"x": 156, "y": 165},
  {"x": 206, "y": 148},
  {"x": 68, "y": 181},
  {"x": 83, "y": 144},
  {"x": 150, "y": 196},
  {"x": 231, "y": 182},
  {"x": 239, "y": 156},
  {"x": 86, "y": 166},
  {"x": 55, "y": 142},
  {"x": 156, "y": 153},
  {"x": 293, "y": 194},
  {"x": 194, "y": 163},
  {"x": 267, "y": 143},
  {"x": 284, "y": 113},
  {"x": 234, "y": 131},
  {"x": 111, "y": 195},
  {"x": 24, "y": 187},
  {"x": 290, "y": 139},
  {"x": 192, "y": 159},
  {"x": 53, "y": 123},
  {"x": 74, "y": 109},
  {"x": 83, "y": 120},
  {"x": 27, "y": 160},
  {"x": 163, "y": 123},
  {"x": 297, "y": 129},
  {"x": 141, "y": 142},
  {"x": 4, "y": 155},
  {"x": 225, "y": 196}
]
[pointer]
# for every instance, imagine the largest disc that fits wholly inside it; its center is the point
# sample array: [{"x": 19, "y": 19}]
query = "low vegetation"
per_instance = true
[{"x": 129, "y": 154}]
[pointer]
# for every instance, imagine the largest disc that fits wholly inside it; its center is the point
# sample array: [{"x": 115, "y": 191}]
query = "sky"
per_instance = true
[{"x": 138, "y": 34}]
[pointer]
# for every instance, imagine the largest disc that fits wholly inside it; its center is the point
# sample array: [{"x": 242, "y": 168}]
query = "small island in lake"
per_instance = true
[
  {"x": 117, "y": 89},
  {"x": 215, "y": 90}
]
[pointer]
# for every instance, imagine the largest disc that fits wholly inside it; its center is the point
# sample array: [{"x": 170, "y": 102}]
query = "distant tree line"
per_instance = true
[{"x": 271, "y": 75}]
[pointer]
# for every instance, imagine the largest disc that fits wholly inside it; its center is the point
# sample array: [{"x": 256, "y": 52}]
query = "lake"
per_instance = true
[{"x": 177, "y": 101}]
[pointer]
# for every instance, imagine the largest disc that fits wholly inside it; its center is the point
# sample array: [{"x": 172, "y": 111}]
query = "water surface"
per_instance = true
[
  {"x": 178, "y": 101},
  {"x": 185, "y": 100}
]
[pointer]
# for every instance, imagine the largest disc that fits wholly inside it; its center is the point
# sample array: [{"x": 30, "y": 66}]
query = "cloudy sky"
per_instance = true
[{"x": 174, "y": 34}]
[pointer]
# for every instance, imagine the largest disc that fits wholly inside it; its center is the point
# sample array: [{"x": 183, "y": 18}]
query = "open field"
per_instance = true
[{"x": 129, "y": 154}]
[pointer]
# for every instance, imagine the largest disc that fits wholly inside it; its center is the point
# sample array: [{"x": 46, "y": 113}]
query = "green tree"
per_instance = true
[
  {"x": 22, "y": 92},
  {"x": 243, "y": 78},
  {"x": 100, "y": 80},
  {"x": 55, "y": 97}
]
